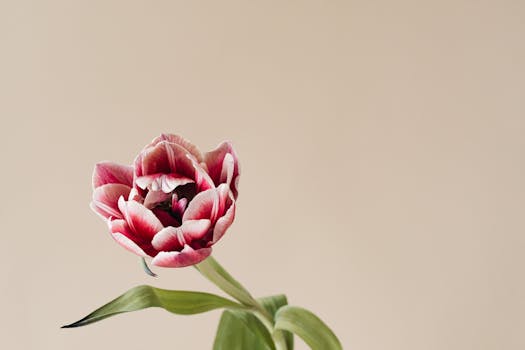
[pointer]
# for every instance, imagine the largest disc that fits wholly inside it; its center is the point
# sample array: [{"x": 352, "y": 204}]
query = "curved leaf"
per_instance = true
[
  {"x": 308, "y": 326},
  {"x": 241, "y": 330},
  {"x": 272, "y": 304},
  {"x": 142, "y": 297}
]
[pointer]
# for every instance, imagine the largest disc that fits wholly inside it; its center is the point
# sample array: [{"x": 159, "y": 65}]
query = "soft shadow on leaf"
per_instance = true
[
  {"x": 241, "y": 330},
  {"x": 308, "y": 326}
]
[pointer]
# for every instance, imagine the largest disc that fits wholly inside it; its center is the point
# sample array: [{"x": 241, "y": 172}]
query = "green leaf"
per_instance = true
[
  {"x": 272, "y": 304},
  {"x": 213, "y": 271},
  {"x": 308, "y": 326},
  {"x": 241, "y": 330},
  {"x": 142, "y": 297}
]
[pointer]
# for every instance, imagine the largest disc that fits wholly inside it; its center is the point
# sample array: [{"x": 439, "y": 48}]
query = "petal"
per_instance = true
[
  {"x": 195, "y": 229},
  {"x": 166, "y": 158},
  {"x": 145, "y": 181},
  {"x": 187, "y": 257},
  {"x": 112, "y": 173},
  {"x": 201, "y": 206},
  {"x": 202, "y": 178},
  {"x": 140, "y": 219},
  {"x": 155, "y": 160},
  {"x": 128, "y": 244},
  {"x": 178, "y": 206},
  {"x": 171, "y": 181},
  {"x": 174, "y": 238},
  {"x": 105, "y": 199},
  {"x": 223, "y": 223},
  {"x": 121, "y": 232},
  {"x": 215, "y": 161},
  {"x": 135, "y": 196},
  {"x": 209, "y": 204},
  {"x": 153, "y": 198},
  {"x": 227, "y": 169},
  {"x": 181, "y": 141},
  {"x": 168, "y": 239}
]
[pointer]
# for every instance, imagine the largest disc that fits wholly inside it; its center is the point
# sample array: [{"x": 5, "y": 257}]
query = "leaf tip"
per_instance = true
[{"x": 147, "y": 269}]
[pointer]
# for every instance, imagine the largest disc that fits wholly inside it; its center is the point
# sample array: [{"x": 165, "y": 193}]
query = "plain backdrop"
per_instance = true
[{"x": 382, "y": 150}]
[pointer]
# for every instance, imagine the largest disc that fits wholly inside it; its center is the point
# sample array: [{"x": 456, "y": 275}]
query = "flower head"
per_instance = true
[{"x": 173, "y": 204}]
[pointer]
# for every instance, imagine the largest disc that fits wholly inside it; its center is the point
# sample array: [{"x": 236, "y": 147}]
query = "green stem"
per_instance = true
[
  {"x": 279, "y": 341},
  {"x": 214, "y": 272}
]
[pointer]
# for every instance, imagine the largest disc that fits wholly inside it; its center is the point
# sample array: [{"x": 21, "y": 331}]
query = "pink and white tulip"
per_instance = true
[{"x": 173, "y": 204}]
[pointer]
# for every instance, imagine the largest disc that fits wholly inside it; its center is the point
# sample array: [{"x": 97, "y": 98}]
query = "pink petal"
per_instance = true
[
  {"x": 220, "y": 205},
  {"x": 178, "y": 206},
  {"x": 202, "y": 178},
  {"x": 195, "y": 229},
  {"x": 174, "y": 238},
  {"x": 155, "y": 197},
  {"x": 179, "y": 140},
  {"x": 171, "y": 181},
  {"x": 187, "y": 257},
  {"x": 146, "y": 181},
  {"x": 201, "y": 206},
  {"x": 112, "y": 173},
  {"x": 121, "y": 232},
  {"x": 227, "y": 169},
  {"x": 105, "y": 199},
  {"x": 219, "y": 169},
  {"x": 223, "y": 223},
  {"x": 162, "y": 182},
  {"x": 128, "y": 244},
  {"x": 209, "y": 204},
  {"x": 135, "y": 196},
  {"x": 168, "y": 239},
  {"x": 155, "y": 160},
  {"x": 166, "y": 158},
  {"x": 141, "y": 220}
]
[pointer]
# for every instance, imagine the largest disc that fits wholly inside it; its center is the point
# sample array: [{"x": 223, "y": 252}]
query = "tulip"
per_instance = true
[{"x": 173, "y": 204}]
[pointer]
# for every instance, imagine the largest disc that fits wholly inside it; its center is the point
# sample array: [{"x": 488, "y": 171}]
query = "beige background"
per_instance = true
[{"x": 382, "y": 148}]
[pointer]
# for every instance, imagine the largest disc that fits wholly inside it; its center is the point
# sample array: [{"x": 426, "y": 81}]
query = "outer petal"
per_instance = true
[
  {"x": 105, "y": 199},
  {"x": 167, "y": 158},
  {"x": 223, "y": 223},
  {"x": 112, "y": 173},
  {"x": 210, "y": 204},
  {"x": 187, "y": 257},
  {"x": 195, "y": 229},
  {"x": 181, "y": 141},
  {"x": 201, "y": 206},
  {"x": 202, "y": 178},
  {"x": 121, "y": 233},
  {"x": 140, "y": 219},
  {"x": 128, "y": 244},
  {"x": 174, "y": 238},
  {"x": 168, "y": 239},
  {"x": 220, "y": 170},
  {"x": 155, "y": 160}
]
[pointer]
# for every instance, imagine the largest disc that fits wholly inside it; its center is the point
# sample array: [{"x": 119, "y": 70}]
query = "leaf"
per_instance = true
[
  {"x": 272, "y": 304},
  {"x": 308, "y": 326},
  {"x": 241, "y": 330},
  {"x": 142, "y": 297},
  {"x": 147, "y": 269},
  {"x": 213, "y": 271}
]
